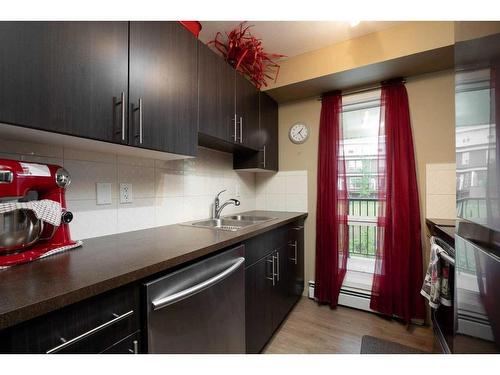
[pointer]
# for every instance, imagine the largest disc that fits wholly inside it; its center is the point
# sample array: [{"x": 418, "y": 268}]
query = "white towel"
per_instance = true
[
  {"x": 436, "y": 286},
  {"x": 47, "y": 210}
]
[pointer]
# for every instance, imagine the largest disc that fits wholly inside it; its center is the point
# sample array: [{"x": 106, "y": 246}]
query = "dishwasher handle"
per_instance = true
[{"x": 166, "y": 301}]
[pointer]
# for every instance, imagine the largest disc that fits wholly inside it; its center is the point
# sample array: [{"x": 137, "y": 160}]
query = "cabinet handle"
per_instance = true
[
  {"x": 136, "y": 346},
  {"x": 264, "y": 161},
  {"x": 123, "y": 116},
  {"x": 140, "y": 109},
  {"x": 300, "y": 227},
  {"x": 122, "y": 104},
  {"x": 277, "y": 265},
  {"x": 235, "y": 130},
  {"x": 241, "y": 129},
  {"x": 294, "y": 245},
  {"x": 66, "y": 343},
  {"x": 272, "y": 270},
  {"x": 140, "y": 120}
]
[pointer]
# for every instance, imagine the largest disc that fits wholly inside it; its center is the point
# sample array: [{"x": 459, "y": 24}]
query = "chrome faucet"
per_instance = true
[{"x": 217, "y": 208}]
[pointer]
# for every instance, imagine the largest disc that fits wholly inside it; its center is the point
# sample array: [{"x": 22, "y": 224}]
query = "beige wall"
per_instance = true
[
  {"x": 398, "y": 41},
  {"x": 432, "y": 113}
]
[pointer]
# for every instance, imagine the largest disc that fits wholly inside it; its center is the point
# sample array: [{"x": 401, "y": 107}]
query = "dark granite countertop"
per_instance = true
[{"x": 106, "y": 263}]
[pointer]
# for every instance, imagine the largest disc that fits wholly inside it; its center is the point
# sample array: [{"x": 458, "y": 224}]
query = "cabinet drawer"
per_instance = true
[
  {"x": 129, "y": 345},
  {"x": 262, "y": 245},
  {"x": 89, "y": 326}
]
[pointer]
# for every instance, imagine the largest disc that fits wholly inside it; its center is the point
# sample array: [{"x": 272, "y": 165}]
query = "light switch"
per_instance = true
[{"x": 103, "y": 191}]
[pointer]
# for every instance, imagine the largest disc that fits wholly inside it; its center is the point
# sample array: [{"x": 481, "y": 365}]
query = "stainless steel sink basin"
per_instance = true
[
  {"x": 253, "y": 219},
  {"x": 230, "y": 223}
]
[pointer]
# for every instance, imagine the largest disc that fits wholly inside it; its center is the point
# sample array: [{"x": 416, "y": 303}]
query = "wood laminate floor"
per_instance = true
[{"x": 310, "y": 328}]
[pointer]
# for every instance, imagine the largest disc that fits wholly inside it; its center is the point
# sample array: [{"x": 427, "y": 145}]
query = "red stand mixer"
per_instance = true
[{"x": 23, "y": 236}]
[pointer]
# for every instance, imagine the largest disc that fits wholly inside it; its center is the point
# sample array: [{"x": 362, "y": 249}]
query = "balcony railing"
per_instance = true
[{"x": 362, "y": 227}]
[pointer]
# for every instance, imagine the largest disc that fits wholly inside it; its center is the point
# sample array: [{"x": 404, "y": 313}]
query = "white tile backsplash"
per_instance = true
[
  {"x": 282, "y": 191},
  {"x": 440, "y": 202},
  {"x": 164, "y": 192}
]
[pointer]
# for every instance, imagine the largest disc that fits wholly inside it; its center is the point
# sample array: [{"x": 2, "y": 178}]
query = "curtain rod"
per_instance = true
[{"x": 363, "y": 89}]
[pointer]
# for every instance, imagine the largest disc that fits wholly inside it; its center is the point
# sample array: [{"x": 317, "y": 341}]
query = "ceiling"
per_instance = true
[{"x": 293, "y": 38}]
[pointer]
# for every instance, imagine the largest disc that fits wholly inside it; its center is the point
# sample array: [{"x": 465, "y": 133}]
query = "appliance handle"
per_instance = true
[
  {"x": 443, "y": 255},
  {"x": 166, "y": 301},
  {"x": 66, "y": 343}
]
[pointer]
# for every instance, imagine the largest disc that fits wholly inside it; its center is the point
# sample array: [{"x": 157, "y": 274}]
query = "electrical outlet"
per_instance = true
[
  {"x": 126, "y": 193},
  {"x": 103, "y": 193}
]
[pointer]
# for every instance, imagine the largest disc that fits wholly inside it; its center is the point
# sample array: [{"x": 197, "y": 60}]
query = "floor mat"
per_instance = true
[{"x": 374, "y": 345}]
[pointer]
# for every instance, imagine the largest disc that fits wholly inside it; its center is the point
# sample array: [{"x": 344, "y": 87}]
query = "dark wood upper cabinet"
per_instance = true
[
  {"x": 65, "y": 77},
  {"x": 269, "y": 132},
  {"x": 266, "y": 140},
  {"x": 144, "y": 84},
  {"x": 247, "y": 112},
  {"x": 163, "y": 93},
  {"x": 216, "y": 95}
]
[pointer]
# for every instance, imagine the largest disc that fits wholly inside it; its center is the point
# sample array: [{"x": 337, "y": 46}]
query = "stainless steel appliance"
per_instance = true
[
  {"x": 200, "y": 308},
  {"x": 477, "y": 243}
]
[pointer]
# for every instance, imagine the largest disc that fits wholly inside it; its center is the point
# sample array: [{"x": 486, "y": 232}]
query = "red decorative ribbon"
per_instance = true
[{"x": 245, "y": 53}]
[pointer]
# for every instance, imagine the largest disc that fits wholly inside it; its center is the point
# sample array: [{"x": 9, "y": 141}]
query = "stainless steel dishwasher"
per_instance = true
[{"x": 199, "y": 308}]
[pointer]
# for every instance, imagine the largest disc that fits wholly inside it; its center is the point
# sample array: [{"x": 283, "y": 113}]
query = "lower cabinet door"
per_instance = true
[
  {"x": 295, "y": 263},
  {"x": 259, "y": 304},
  {"x": 283, "y": 276}
]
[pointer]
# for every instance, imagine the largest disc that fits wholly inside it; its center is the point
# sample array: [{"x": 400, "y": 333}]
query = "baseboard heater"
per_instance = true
[{"x": 350, "y": 297}]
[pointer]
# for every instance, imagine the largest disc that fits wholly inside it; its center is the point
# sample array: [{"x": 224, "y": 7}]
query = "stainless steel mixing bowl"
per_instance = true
[{"x": 18, "y": 230}]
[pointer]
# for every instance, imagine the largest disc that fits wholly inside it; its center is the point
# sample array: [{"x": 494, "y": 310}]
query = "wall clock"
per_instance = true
[{"x": 298, "y": 133}]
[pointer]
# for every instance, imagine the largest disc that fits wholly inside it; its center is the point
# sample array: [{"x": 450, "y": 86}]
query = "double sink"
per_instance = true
[{"x": 230, "y": 223}]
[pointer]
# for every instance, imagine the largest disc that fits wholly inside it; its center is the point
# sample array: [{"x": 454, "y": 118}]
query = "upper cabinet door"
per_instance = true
[
  {"x": 216, "y": 95},
  {"x": 66, "y": 77},
  {"x": 269, "y": 131},
  {"x": 163, "y": 97},
  {"x": 247, "y": 112}
]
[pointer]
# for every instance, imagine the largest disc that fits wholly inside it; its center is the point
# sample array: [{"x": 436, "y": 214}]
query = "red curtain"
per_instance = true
[
  {"x": 398, "y": 264},
  {"x": 332, "y": 204}
]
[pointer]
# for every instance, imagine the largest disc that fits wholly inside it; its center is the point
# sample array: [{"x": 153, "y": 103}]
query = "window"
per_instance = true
[{"x": 360, "y": 122}]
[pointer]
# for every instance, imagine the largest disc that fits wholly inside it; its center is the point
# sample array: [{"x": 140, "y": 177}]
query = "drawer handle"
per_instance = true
[
  {"x": 66, "y": 343},
  {"x": 163, "y": 302},
  {"x": 136, "y": 348}
]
